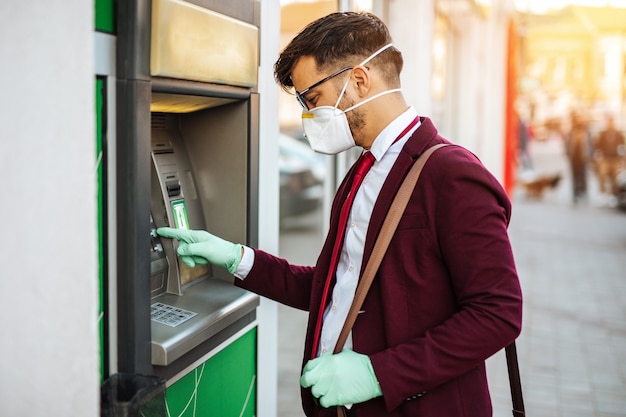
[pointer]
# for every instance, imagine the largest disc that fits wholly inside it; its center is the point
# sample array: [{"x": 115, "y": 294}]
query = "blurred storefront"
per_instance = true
[
  {"x": 477, "y": 66},
  {"x": 574, "y": 59},
  {"x": 474, "y": 77}
]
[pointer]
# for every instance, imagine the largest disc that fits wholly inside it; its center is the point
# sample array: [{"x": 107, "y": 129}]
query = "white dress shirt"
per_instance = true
[{"x": 385, "y": 151}]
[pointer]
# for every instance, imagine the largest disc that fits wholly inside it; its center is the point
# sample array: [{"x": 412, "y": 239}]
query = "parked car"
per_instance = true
[{"x": 302, "y": 176}]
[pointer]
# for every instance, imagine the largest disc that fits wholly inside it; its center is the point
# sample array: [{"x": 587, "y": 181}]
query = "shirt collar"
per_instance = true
[{"x": 388, "y": 135}]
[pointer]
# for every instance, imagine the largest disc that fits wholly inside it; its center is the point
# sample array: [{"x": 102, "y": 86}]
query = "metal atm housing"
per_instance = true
[
  {"x": 186, "y": 155},
  {"x": 200, "y": 179}
]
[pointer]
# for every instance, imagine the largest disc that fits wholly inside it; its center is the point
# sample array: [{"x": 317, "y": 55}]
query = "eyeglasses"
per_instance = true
[{"x": 300, "y": 95}]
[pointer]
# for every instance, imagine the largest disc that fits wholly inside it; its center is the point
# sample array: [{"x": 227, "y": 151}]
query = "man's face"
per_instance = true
[{"x": 305, "y": 74}]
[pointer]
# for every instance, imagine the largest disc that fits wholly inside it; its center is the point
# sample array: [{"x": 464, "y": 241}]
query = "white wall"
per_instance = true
[
  {"x": 267, "y": 312},
  {"x": 49, "y": 360},
  {"x": 411, "y": 24},
  {"x": 473, "y": 115},
  {"x": 485, "y": 111},
  {"x": 492, "y": 119}
]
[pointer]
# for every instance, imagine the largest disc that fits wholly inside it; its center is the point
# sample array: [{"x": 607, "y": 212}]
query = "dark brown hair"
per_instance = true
[{"x": 341, "y": 39}]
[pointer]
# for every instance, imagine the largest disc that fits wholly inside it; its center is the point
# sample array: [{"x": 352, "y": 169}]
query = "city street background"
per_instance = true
[{"x": 571, "y": 260}]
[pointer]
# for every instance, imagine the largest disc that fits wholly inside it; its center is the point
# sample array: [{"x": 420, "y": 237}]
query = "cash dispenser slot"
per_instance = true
[{"x": 188, "y": 305}]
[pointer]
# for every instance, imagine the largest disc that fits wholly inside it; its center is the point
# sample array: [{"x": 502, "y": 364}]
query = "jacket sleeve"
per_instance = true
[{"x": 275, "y": 278}]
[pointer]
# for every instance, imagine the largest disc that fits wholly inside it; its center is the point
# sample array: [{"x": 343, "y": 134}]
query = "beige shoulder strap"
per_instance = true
[{"x": 382, "y": 242}]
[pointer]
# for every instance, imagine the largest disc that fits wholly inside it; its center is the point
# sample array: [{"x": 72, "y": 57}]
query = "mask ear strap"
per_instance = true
[
  {"x": 382, "y": 93},
  {"x": 345, "y": 86},
  {"x": 343, "y": 90},
  {"x": 375, "y": 54}
]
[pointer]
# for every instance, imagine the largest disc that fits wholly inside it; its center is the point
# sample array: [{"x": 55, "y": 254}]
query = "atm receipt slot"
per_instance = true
[{"x": 173, "y": 189}]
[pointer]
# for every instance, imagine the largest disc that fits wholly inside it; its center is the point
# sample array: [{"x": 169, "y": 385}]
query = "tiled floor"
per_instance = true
[{"x": 572, "y": 265}]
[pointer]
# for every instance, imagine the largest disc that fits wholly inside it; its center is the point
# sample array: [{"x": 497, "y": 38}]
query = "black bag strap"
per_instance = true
[{"x": 515, "y": 380}]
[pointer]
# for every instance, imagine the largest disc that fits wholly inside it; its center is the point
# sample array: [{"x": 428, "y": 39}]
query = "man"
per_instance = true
[
  {"x": 446, "y": 295},
  {"x": 610, "y": 154},
  {"x": 577, "y": 147}
]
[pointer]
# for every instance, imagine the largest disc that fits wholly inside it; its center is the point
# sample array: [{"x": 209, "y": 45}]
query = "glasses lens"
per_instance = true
[
  {"x": 302, "y": 101},
  {"x": 300, "y": 96}
]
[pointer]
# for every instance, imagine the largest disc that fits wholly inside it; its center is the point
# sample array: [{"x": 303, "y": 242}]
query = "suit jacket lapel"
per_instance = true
[{"x": 424, "y": 137}]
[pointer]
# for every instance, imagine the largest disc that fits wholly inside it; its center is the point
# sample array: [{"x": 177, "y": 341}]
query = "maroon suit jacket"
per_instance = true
[{"x": 445, "y": 298}]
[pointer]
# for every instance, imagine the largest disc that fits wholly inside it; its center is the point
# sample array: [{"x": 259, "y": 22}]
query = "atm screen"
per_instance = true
[{"x": 180, "y": 214}]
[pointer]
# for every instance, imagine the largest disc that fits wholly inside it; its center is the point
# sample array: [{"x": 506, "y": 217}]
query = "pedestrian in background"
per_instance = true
[
  {"x": 577, "y": 147},
  {"x": 524, "y": 137},
  {"x": 609, "y": 155},
  {"x": 446, "y": 295}
]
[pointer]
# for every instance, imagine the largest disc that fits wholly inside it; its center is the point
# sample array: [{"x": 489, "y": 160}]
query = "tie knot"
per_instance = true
[{"x": 365, "y": 163}]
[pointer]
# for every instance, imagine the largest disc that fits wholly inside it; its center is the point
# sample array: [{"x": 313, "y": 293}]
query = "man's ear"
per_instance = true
[{"x": 361, "y": 80}]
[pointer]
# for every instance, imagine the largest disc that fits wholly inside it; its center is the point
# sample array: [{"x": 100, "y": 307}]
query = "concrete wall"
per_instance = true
[
  {"x": 473, "y": 113},
  {"x": 268, "y": 205},
  {"x": 49, "y": 360},
  {"x": 411, "y": 25},
  {"x": 478, "y": 70}
]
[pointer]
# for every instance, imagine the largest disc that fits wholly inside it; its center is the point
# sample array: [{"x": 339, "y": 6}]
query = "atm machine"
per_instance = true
[
  {"x": 199, "y": 172},
  {"x": 186, "y": 156}
]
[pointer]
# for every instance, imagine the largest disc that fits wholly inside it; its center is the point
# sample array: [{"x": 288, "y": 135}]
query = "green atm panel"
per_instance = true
[
  {"x": 100, "y": 85},
  {"x": 224, "y": 385},
  {"x": 105, "y": 15}
]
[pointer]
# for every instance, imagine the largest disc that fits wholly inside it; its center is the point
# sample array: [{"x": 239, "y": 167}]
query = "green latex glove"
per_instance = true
[
  {"x": 197, "y": 247},
  {"x": 344, "y": 378}
]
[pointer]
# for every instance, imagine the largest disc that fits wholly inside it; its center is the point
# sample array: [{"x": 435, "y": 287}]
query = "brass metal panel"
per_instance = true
[{"x": 193, "y": 43}]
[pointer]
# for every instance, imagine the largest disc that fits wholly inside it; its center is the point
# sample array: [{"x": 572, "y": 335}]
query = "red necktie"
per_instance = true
[{"x": 364, "y": 164}]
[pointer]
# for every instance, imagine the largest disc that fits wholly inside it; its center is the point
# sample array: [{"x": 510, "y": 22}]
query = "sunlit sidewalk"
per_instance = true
[{"x": 572, "y": 265}]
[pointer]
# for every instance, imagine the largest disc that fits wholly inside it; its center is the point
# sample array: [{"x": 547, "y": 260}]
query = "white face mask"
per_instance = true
[{"x": 326, "y": 127}]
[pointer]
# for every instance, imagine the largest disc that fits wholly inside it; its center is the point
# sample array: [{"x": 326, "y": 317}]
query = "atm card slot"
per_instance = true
[{"x": 173, "y": 190}]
